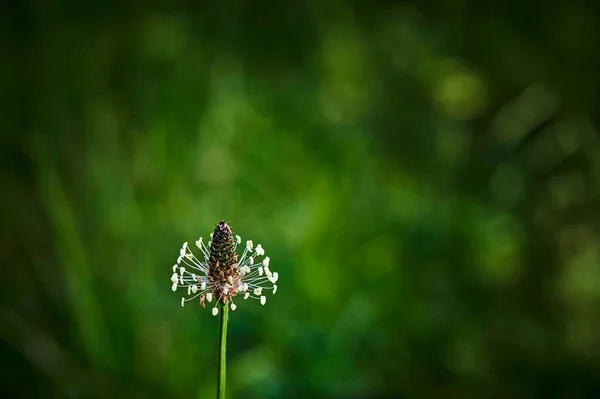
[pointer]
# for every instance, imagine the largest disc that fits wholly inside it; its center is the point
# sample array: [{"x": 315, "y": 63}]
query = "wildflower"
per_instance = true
[{"x": 221, "y": 274}]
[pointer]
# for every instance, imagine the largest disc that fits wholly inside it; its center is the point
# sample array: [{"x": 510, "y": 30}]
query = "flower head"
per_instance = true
[{"x": 222, "y": 275}]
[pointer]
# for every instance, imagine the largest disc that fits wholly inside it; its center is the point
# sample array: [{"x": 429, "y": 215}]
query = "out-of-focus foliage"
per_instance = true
[{"x": 424, "y": 177}]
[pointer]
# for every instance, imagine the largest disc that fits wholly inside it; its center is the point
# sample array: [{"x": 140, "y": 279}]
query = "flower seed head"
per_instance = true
[{"x": 222, "y": 273}]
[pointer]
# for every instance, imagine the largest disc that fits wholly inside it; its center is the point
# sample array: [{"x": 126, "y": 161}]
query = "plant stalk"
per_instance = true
[{"x": 222, "y": 351}]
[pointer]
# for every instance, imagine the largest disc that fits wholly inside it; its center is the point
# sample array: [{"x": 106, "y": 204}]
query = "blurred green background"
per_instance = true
[{"x": 424, "y": 176}]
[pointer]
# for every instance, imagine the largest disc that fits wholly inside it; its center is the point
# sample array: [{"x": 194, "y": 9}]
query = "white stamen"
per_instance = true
[
  {"x": 259, "y": 250},
  {"x": 263, "y": 300},
  {"x": 238, "y": 239},
  {"x": 175, "y": 268},
  {"x": 203, "y": 285},
  {"x": 225, "y": 290},
  {"x": 199, "y": 243},
  {"x": 194, "y": 288},
  {"x": 275, "y": 277},
  {"x": 257, "y": 291},
  {"x": 215, "y": 311},
  {"x": 249, "y": 245},
  {"x": 182, "y": 301},
  {"x": 179, "y": 259},
  {"x": 233, "y": 307},
  {"x": 181, "y": 270},
  {"x": 174, "y": 278},
  {"x": 211, "y": 235},
  {"x": 246, "y": 295},
  {"x": 189, "y": 289},
  {"x": 251, "y": 260},
  {"x": 274, "y": 289},
  {"x": 180, "y": 280},
  {"x": 245, "y": 286},
  {"x": 209, "y": 297},
  {"x": 260, "y": 271},
  {"x": 193, "y": 277},
  {"x": 230, "y": 280},
  {"x": 174, "y": 287},
  {"x": 266, "y": 261}
]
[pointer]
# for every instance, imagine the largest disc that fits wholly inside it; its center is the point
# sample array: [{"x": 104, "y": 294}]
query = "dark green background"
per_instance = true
[{"x": 424, "y": 177}]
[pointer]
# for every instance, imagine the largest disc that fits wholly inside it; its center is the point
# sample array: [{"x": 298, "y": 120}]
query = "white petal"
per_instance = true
[
  {"x": 194, "y": 288},
  {"x": 174, "y": 278},
  {"x": 182, "y": 301},
  {"x": 238, "y": 239},
  {"x": 274, "y": 289},
  {"x": 246, "y": 295},
  {"x": 233, "y": 307},
  {"x": 257, "y": 291},
  {"x": 203, "y": 285},
  {"x": 260, "y": 271},
  {"x": 249, "y": 245},
  {"x": 209, "y": 297},
  {"x": 215, "y": 311},
  {"x": 263, "y": 300},
  {"x": 174, "y": 287}
]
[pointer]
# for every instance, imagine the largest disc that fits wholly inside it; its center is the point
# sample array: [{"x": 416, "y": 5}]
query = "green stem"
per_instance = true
[{"x": 222, "y": 351}]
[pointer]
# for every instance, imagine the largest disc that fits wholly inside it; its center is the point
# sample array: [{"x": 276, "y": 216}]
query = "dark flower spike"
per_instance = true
[{"x": 222, "y": 275}]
